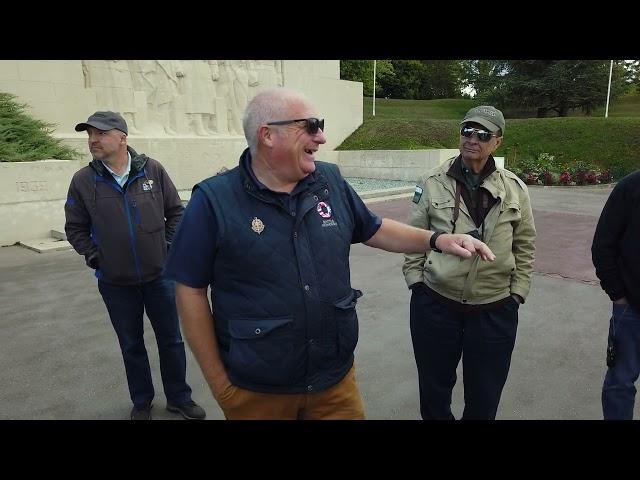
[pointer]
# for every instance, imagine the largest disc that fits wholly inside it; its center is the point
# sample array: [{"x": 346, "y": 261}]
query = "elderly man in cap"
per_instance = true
[
  {"x": 463, "y": 307},
  {"x": 121, "y": 213}
]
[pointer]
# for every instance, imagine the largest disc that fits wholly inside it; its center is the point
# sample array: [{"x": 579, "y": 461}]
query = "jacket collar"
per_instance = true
[
  {"x": 138, "y": 162},
  {"x": 456, "y": 172},
  {"x": 491, "y": 178}
]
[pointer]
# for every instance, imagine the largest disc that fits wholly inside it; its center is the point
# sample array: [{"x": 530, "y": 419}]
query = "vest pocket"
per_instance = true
[
  {"x": 261, "y": 350},
  {"x": 347, "y": 324}
]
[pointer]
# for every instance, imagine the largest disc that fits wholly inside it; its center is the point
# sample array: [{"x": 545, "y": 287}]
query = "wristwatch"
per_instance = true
[{"x": 432, "y": 242}]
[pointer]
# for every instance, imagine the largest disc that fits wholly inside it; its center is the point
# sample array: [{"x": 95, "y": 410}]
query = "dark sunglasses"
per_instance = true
[
  {"x": 483, "y": 135},
  {"x": 311, "y": 124}
]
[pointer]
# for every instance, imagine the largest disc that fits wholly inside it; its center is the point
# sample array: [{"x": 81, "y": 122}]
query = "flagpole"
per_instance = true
[
  {"x": 606, "y": 111},
  {"x": 374, "y": 88}
]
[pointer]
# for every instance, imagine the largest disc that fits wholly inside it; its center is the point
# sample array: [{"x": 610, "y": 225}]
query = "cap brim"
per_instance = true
[
  {"x": 493, "y": 128},
  {"x": 99, "y": 125}
]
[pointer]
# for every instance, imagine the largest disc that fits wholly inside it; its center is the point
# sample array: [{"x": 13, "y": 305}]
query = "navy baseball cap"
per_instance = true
[{"x": 104, "y": 121}]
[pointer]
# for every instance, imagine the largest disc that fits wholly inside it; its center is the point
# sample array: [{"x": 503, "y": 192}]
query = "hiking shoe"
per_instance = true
[
  {"x": 141, "y": 413},
  {"x": 190, "y": 410}
]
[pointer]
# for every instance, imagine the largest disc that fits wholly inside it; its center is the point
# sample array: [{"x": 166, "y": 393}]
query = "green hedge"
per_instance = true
[
  {"x": 608, "y": 143},
  {"x": 24, "y": 138}
]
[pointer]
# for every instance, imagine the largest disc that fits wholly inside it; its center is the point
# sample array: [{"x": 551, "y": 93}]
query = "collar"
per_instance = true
[
  {"x": 245, "y": 166},
  {"x": 456, "y": 169},
  {"x": 127, "y": 170}
]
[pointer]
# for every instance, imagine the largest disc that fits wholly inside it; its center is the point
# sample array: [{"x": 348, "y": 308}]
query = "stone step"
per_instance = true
[
  {"x": 386, "y": 198},
  {"x": 58, "y": 235},
  {"x": 385, "y": 192},
  {"x": 44, "y": 245}
]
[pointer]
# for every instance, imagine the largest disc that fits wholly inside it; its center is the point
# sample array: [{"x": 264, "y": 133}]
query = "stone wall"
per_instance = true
[
  {"x": 32, "y": 194},
  {"x": 408, "y": 165},
  {"x": 185, "y": 113}
]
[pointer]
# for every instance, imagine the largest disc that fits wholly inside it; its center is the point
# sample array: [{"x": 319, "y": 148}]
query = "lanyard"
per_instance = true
[{"x": 456, "y": 209}]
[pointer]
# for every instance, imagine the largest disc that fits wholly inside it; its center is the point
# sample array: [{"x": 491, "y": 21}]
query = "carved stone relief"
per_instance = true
[{"x": 171, "y": 97}]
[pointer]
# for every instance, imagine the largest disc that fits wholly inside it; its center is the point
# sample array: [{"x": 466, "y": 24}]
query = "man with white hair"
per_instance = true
[{"x": 272, "y": 239}]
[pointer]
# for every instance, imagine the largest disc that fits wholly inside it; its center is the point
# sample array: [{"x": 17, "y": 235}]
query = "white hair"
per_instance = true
[{"x": 268, "y": 106}]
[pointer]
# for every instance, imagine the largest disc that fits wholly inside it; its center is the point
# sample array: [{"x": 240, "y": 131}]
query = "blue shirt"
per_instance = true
[{"x": 121, "y": 179}]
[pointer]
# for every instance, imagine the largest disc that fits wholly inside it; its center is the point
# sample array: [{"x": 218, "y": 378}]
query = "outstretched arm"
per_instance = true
[{"x": 398, "y": 237}]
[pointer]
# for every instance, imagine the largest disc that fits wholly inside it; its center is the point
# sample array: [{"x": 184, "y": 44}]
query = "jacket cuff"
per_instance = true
[
  {"x": 520, "y": 291},
  {"x": 617, "y": 295}
]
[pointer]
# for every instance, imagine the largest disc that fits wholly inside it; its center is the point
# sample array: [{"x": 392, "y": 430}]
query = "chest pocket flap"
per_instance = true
[
  {"x": 442, "y": 202},
  {"x": 254, "y": 329}
]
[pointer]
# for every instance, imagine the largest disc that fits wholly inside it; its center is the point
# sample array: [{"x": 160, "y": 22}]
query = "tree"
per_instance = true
[
  {"x": 631, "y": 75},
  {"x": 405, "y": 80},
  {"x": 408, "y": 79},
  {"x": 441, "y": 79},
  {"x": 546, "y": 85},
  {"x": 362, "y": 71},
  {"x": 482, "y": 76}
]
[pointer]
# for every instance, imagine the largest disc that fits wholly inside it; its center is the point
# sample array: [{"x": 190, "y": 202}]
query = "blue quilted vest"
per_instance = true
[{"x": 283, "y": 305}]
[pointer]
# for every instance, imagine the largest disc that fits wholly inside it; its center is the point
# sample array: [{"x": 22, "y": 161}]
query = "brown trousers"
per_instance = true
[{"x": 340, "y": 402}]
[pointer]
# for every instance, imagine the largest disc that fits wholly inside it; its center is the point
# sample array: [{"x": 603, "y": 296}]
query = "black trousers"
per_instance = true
[{"x": 484, "y": 340}]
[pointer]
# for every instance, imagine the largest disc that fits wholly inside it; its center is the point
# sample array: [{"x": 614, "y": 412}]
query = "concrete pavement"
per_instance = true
[{"x": 61, "y": 359}]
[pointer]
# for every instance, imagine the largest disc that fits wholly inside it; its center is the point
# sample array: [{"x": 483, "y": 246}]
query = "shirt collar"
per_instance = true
[
  {"x": 126, "y": 172},
  {"x": 246, "y": 160}
]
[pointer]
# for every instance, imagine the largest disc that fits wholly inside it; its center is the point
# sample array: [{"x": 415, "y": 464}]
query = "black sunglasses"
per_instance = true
[
  {"x": 312, "y": 124},
  {"x": 483, "y": 135}
]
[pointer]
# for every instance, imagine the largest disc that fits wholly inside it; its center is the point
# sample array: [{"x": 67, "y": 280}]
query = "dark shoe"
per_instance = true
[
  {"x": 190, "y": 410},
  {"x": 141, "y": 413}
]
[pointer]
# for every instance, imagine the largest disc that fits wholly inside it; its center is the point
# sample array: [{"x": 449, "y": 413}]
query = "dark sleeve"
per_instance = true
[
  {"x": 173, "y": 208},
  {"x": 193, "y": 251},
  {"x": 77, "y": 224},
  {"x": 605, "y": 250},
  {"x": 367, "y": 223}
]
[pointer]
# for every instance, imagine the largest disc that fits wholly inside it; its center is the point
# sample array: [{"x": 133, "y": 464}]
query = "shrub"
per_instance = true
[
  {"x": 547, "y": 178},
  {"x": 604, "y": 176},
  {"x": 546, "y": 162},
  {"x": 24, "y": 138},
  {"x": 530, "y": 178},
  {"x": 581, "y": 177},
  {"x": 591, "y": 178},
  {"x": 565, "y": 178}
]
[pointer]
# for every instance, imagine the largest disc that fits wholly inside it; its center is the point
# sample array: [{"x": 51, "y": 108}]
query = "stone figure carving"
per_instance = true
[
  {"x": 198, "y": 86},
  {"x": 112, "y": 83},
  {"x": 236, "y": 77},
  {"x": 279, "y": 72},
  {"x": 158, "y": 79},
  {"x": 271, "y": 72},
  {"x": 165, "y": 93}
]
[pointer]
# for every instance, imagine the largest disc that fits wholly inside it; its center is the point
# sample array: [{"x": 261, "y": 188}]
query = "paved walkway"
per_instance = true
[
  {"x": 565, "y": 221},
  {"x": 61, "y": 359}
]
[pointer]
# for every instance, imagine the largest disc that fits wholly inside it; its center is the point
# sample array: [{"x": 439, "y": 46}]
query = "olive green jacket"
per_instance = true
[{"x": 509, "y": 231}]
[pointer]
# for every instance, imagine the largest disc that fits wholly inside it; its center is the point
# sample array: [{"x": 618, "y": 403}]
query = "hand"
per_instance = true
[
  {"x": 621, "y": 301},
  {"x": 219, "y": 385},
  {"x": 464, "y": 246},
  {"x": 92, "y": 260}
]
